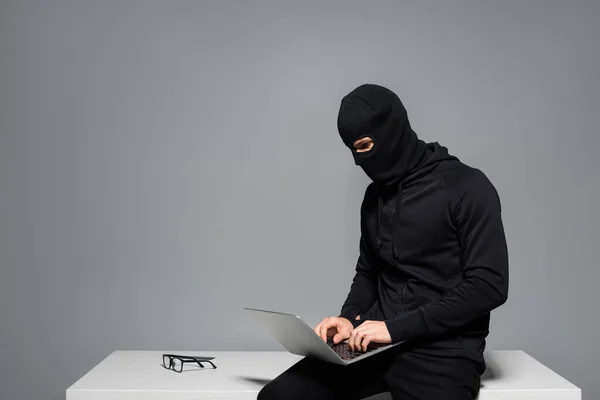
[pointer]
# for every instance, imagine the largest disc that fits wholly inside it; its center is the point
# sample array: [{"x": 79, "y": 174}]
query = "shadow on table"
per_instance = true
[
  {"x": 490, "y": 374},
  {"x": 260, "y": 382}
]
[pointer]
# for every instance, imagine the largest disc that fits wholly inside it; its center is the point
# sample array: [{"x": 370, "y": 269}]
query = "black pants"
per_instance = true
[{"x": 408, "y": 374}]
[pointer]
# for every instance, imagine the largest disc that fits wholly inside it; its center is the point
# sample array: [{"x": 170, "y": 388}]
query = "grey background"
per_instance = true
[{"x": 168, "y": 163}]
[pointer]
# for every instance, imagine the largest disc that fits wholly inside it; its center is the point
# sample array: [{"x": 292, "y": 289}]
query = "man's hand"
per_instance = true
[
  {"x": 337, "y": 327},
  {"x": 369, "y": 332}
]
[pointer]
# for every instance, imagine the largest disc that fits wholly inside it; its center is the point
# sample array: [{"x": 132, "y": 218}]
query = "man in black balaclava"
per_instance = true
[{"x": 433, "y": 264}]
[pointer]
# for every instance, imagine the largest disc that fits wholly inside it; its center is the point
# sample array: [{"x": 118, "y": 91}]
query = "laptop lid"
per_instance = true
[{"x": 295, "y": 335}]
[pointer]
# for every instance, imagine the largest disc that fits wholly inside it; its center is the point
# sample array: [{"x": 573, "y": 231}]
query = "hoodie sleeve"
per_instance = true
[
  {"x": 478, "y": 223},
  {"x": 363, "y": 291}
]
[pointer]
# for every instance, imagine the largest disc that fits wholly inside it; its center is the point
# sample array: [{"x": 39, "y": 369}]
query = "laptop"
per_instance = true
[{"x": 297, "y": 337}]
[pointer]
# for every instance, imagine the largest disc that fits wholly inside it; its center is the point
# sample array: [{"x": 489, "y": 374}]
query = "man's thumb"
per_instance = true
[{"x": 338, "y": 338}]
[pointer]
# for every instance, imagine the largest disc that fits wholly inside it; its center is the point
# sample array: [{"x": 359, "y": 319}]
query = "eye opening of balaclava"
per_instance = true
[
  {"x": 377, "y": 112},
  {"x": 363, "y": 144}
]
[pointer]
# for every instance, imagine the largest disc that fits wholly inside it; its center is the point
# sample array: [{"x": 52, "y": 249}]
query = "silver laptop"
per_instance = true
[{"x": 297, "y": 337}]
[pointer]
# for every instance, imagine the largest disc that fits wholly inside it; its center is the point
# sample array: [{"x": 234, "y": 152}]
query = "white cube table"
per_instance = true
[{"x": 139, "y": 375}]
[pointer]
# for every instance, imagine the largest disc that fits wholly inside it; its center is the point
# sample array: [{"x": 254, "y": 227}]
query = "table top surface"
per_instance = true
[{"x": 248, "y": 372}]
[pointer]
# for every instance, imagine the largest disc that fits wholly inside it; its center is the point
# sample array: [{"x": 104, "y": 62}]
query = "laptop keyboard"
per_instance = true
[{"x": 343, "y": 350}]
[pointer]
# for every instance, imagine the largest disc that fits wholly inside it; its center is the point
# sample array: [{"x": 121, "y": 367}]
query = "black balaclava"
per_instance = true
[{"x": 376, "y": 112}]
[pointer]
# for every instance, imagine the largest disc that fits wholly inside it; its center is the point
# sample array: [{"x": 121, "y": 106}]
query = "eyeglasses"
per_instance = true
[{"x": 175, "y": 362}]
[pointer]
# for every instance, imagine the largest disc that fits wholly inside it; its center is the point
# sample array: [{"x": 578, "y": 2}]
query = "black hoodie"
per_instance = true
[{"x": 433, "y": 258}]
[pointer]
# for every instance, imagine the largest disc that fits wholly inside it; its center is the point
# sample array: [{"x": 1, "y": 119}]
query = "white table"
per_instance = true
[{"x": 138, "y": 375}]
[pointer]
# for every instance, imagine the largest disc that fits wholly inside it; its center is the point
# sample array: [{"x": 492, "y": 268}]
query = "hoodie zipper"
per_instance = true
[
  {"x": 402, "y": 296},
  {"x": 396, "y": 221}
]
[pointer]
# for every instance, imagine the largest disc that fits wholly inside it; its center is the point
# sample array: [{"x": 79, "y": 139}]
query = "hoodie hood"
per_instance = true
[{"x": 432, "y": 156}]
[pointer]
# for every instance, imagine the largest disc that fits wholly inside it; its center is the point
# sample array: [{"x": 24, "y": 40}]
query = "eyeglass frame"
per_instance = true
[{"x": 186, "y": 359}]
